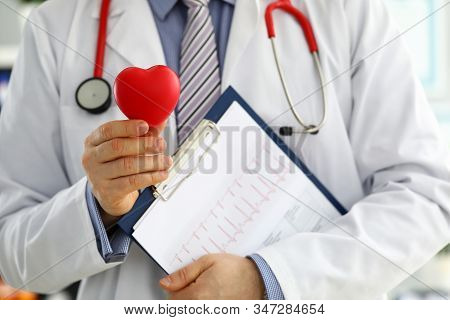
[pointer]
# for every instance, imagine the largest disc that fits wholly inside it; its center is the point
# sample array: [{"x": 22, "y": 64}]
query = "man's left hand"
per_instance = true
[{"x": 216, "y": 276}]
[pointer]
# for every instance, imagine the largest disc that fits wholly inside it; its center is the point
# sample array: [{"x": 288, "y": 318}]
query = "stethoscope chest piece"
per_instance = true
[{"x": 94, "y": 95}]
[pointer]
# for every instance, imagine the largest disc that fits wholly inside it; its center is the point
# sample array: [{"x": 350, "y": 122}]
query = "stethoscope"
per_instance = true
[
  {"x": 287, "y": 6},
  {"x": 94, "y": 94}
]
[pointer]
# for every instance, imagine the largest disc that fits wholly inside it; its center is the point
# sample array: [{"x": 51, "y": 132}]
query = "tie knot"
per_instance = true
[{"x": 196, "y": 3}]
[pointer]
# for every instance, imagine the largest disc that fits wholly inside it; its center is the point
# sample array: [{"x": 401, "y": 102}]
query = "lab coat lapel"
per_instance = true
[
  {"x": 132, "y": 33},
  {"x": 245, "y": 20}
]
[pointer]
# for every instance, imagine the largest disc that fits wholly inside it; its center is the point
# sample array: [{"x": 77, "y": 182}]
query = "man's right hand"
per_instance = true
[{"x": 121, "y": 157}]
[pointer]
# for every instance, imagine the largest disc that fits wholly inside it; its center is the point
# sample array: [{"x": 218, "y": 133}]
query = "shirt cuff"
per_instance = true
[
  {"x": 273, "y": 288},
  {"x": 113, "y": 247}
]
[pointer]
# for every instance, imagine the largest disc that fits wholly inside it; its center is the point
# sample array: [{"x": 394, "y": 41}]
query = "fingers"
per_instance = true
[
  {"x": 121, "y": 157},
  {"x": 117, "y": 129},
  {"x": 134, "y": 165},
  {"x": 123, "y": 147},
  {"x": 183, "y": 277},
  {"x": 131, "y": 183},
  {"x": 157, "y": 130}
]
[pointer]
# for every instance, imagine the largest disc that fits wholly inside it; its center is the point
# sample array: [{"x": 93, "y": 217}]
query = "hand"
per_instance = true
[
  {"x": 121, "y": 157},
  {"x": 216, "y": 276}
]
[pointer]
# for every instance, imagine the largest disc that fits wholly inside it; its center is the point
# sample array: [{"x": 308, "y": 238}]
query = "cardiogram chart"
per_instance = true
[
  {"x": 265, "y": 197},
  {"x": 232, "y": 215}
]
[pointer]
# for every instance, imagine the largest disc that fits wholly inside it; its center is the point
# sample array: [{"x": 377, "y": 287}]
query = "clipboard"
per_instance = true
[{"x": 207, "y": 127}]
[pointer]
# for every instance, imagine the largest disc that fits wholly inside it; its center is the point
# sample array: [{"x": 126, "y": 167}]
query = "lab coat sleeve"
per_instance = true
[
  {"x": 47, "y": 239},
  {"x": 403, "y": 220}
]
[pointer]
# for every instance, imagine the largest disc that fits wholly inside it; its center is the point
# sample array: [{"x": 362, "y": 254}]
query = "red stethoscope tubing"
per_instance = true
[
  {"x": 286, "y": 6},
  {"x": 101, "y": 40}
]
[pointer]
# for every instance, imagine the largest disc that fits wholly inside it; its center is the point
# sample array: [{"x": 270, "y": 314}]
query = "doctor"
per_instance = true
[{"x": 67, "y": 175}]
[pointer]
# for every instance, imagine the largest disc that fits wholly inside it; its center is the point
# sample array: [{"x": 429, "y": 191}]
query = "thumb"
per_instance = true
[
  {"x": 156, "y": 131},
  {"x": 185, "y": 276}
]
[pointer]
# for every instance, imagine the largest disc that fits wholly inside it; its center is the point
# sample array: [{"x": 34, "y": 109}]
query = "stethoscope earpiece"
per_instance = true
[
  {"x": 286, "y": 131},
  {"x": 290, "y": 131}
]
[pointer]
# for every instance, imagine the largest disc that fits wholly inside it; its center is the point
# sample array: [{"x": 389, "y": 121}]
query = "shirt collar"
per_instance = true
[{"x": 163, "y": 7}]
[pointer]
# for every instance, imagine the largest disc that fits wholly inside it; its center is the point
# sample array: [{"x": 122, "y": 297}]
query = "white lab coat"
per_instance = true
[{"x": 380, "y": 152}]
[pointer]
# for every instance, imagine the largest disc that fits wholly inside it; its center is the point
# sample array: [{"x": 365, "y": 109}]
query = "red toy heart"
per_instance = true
[{"x": 149, "y": 95}]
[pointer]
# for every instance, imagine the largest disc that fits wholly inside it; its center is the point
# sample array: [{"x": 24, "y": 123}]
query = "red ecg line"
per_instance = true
[{"x": 232, "y": 214}]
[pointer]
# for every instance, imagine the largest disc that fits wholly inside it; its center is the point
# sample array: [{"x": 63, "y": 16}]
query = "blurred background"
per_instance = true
[{"x": 426, "y": 24}]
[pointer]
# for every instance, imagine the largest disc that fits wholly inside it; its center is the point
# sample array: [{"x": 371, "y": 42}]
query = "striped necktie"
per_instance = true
[{"x": 199, "y": 68}]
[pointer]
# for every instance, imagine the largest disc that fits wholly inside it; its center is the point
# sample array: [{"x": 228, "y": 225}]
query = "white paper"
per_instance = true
[{"x": 233, "y": 209}]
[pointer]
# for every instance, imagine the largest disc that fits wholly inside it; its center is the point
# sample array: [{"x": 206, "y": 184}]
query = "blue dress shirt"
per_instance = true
[{"x": 170, "y": 18}]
